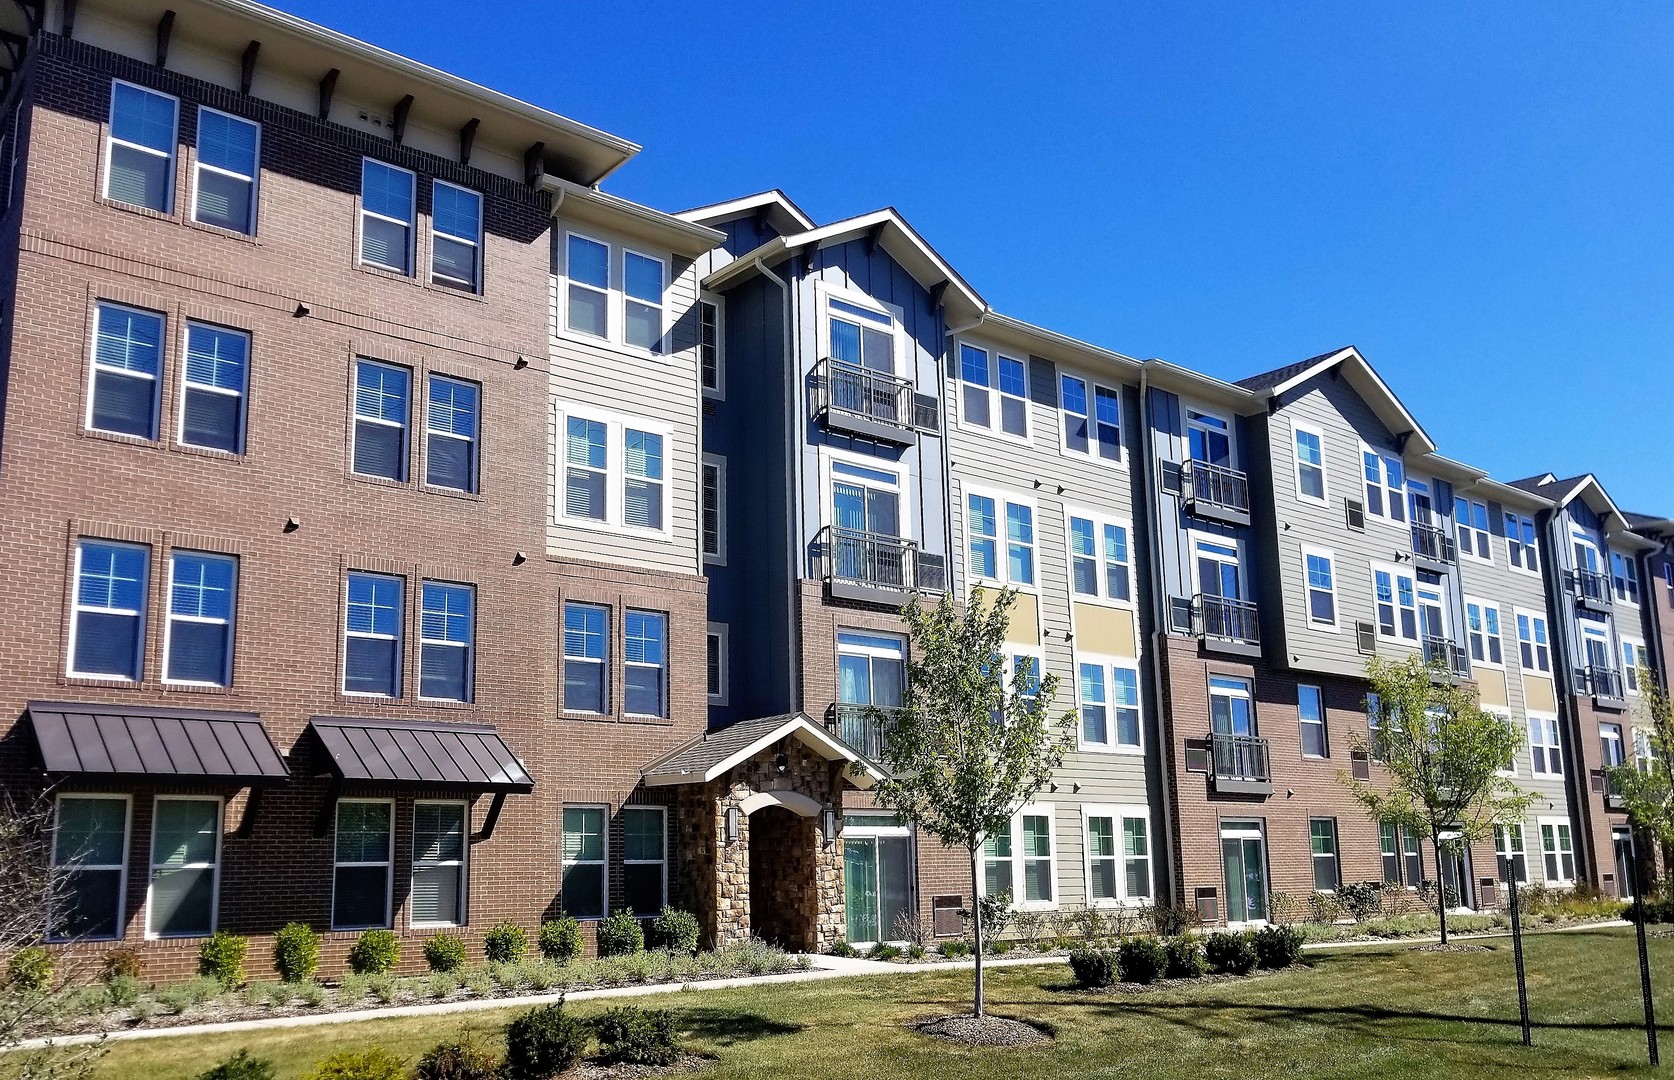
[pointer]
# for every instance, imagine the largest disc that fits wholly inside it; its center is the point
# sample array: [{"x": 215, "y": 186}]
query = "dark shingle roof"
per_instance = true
[
  {"x": 713, "y": 747},
  {"x": 1269, "y": 379},
  {"x": 1534, "y": 486}
]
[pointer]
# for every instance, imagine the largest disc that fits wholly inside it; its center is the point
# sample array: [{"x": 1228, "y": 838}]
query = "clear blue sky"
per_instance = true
[{"x": 1479, "y": 196}]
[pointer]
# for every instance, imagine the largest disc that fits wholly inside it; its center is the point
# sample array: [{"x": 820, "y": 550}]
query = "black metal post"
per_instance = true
[
  {"x": 1644, "y": 957},
  {"x": 1517, "y": 953}
]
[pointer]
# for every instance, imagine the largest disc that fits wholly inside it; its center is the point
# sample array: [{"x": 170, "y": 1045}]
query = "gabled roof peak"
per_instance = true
[{"x": 773, "y": 205}]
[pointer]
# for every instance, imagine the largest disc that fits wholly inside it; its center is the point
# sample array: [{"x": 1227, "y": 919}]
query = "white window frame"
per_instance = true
[
  {"x": 1002, "y": 539},
  {"x": 1120, "y": 814},
  {"x": 1481, "y": 538},
  {"x": 1634, "y": 648},
  {"x": 1309, "y": 588},
  {"x": 1197, "y": 538},
  {"x": 111, "y": 141},
  {"x": 170, "y": 618},
  {"x": 188, "y": 385},
  {"x": 719, "y": 632},
  {"x": 991, "y": 364},
  {"x": 1391, "y": 495},
  {"x": 432, "y": 433},
  {"x": 214, "y": 868},
  {"x": 825, "y": 292},
  {"x": 199, "y": 168},
  {"x": 901, "y": 482},
  {"x": 127, "y": 802},
  {"x": 1323, "y": 723},
  {"x": 94, "y": 367},
  {"x": 405, "y": 424},
  {"x": 1631, "y": 576},
  {"x": 603, "y": 861},
  {"x": 76, "y": 608},
  {"x": 1101, "y": 594},
  {"x": 463, "y": 862},
  {"x": 662, "y": 811},
  {"x": 602, "y": 662},
  {"x": 1018, "y": 901},
  {"x": 1598, "y": 632},
  {"x": 659, "y": 347},
  {"x": 471, "y": 288},
  {"x": 616, "y": 426},
  {"x": 662, "y": 668},
  {"x": 1396, "y": 573},
  {"x": 1519, "y": 735},
  {"x": 1503, "y": 849},
  {"x": 363, "y": 213},
  {"x": 399, "y": 637},
  {"x": 1550, "y": 744},
  {"x": 1092, "y": 454},
  {"x": 612, "y": 315},
  {"x": 718, "y": 463},
  {"x": 1482, "y": 608},
  {"x": 1520, "y": 554},
  {"x": 1107, "y": 666},
  {"x": 469, "y": 646},
  {"x": 1521, "y": 615},
  {"x": 1336, "y": 855},
  {"x": 718, "y": 392},
  {"x": 388, "y": 864},
  {"x": 1299, "y": 428},
  {"x": 1611, "y": 731},
  {"x": 1557, "y": 850}
]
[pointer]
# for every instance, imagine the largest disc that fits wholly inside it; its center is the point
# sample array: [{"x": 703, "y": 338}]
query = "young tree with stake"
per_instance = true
[{"x": 969, "y": 747}]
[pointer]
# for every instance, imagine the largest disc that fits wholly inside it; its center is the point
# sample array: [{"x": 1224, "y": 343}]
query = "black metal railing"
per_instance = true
[
  {"x": 1240, "y": 757},
  {"x": 1590, "y": 586},
  {"x": 1430, "y": 542},
  {"x": 1449, "y": 654},
  {"x": 878, "y": 561},
  {"x": 1601, "y": 681},
  {"x": 860, "y": 728},
  {"x": 1215, "y": 485},
  {"x": 1225, "y": 618},
  {"x": 871, "y": 395}
]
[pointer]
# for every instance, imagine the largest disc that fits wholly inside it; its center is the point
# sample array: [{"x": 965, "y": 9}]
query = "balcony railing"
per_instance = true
[
  {"x": 1591, "y": 588},
  {"x": 1216, "y": 492},
  {"x": 1449, "y": 654},
  {"x": 873, "y": 568},
  {"x": 855, "y": 725},
  {"x": 1240, "y": 764},
  {"x": 1434, "y": 545},
  {"x": 1226, "y": 624},
  {"x": 874, "y": 404},
  {"x": 1603, "y": 683}
]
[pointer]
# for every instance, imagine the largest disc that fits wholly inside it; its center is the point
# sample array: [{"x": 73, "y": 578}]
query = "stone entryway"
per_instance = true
[{"x": 784, "y": 878}]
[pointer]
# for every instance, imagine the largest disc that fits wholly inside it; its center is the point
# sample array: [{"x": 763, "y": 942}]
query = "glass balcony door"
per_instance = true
[
  {"x": 1217, "y": 571},
  {"x": 1244, "y": 858},
  {"x": 1209, "y": 438},
  {"x": 877, "y": 880}
]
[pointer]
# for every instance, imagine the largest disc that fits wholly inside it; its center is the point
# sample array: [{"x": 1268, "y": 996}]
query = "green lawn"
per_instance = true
[{"x": 1383, "y": 1012}]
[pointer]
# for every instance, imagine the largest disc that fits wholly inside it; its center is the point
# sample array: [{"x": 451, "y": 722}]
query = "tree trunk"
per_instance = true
[
  {"x": 976, "y": 923},
  {"x": 1441, "y": 887}
]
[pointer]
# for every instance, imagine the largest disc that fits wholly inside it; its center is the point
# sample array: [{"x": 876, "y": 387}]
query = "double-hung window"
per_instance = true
[
  {"x": 382, "y": 395},
  {"x": 1100, "y": 565},
  {"x": 642, "y": 479},
  {"x": 1520, "y": 543},
  {"x": 1389, "y": 852},
  {"x": 712, "y": 349},
  {"x": 217, "y": 372},
  {"x": 1558, "y": 850},
  {"x": 1636, "y": 663},
  {"x": 139, "y": 153},
  {"x": 1310, "y": 463},
  {"x": 127, "y": 362},
  {"x": 644, "y": 859},
  {"x": 1110, "y": 710},
  {"x": 584, "y": 877},
  {"x": 198, "y": 643},
  {"x": 982, "y": 527},
  {"x": 1482, "y": 630},
  {"x": 107, "y": 622},
  {"x": 185, "y": 858},
  {"x": 1534, "y": 648},
  {"x": 450, "y": 428},
  {"x": 1396, "y": 601},
  {"x": 995, "y": 391},
  {"x": 1510, "y": 855},
  {"x": 645, "y": 675},
  {"x": 998, "y": 870},
  {"x": 387, "y": 200},
  {"x": 1322, "y": 841},
  {"x": 364, "y": 849},
  {"x": 1320, "y": 569},
  {"x": 1544, "y": 747},
  {"x": 439, "y": 853},
  {"x": 712, "y": 511},
  {"x": 586, "y": 469},
  {"x": 614, "y": 471},
  {"x": 1020, "y": 543},
  {"x": 90, "y": 849},
  {"x": 1310, "y": 707},
  {"x": 1386, "y": 495},
  {"x": 586, "y": 658},
  {"x": 1624, "y": 577},
  {"x": 1035, "y": 834},
  {"x": 642, "y": 289},
  {"x": 1471, "y": 520},
  {"x": 715, "y": 663},
  {"x": 1611, "y": 750},
  {"x": 224, "y": 180},
  {"x": 587, "y": 272},
  {"x": 372, "y": 635},
  {"x": 447, "y": 641},
  {"x": 1013, "y": 387},
  {"x": 1092, "y": 418},
  {"x": 1118, "y": 854},
  {"x": 455, "y": 237}
]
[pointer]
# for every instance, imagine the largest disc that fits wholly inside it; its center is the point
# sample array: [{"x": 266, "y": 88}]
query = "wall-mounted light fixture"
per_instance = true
[
  {"x": 519, "y": 559},
  {"x": 781, "y": 762},
  {"x": 732, "y": 824},
  {"x": 830, "y": 824},
  {"x": 292, "y": 524}
]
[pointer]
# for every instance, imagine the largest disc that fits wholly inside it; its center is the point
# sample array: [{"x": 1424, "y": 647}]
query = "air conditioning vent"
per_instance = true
[
  {"x": 926, "y": 413},
  {"x": 1360, "y": 765},
  {"x": 1355, "y": 511},
  {"x": 1169, "y": 473},
  {"x": 1365, "y": 637},
  {"x": 1180, "y": 614}
]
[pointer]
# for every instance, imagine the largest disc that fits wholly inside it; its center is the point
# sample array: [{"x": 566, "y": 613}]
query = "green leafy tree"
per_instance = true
[
  {"x": 1445, "y": 759},
  {"x": 1646, "y": 785},
  {"x": 966, "y": 750}
]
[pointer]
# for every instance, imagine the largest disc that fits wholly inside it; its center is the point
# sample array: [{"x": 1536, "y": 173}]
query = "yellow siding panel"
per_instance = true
[
  {"x": 1025, "y": 621},
  {"x": 1538, "y": 695},
  {"x": 1490, "y": 686},
  {"x": 1105, "y": 630}
]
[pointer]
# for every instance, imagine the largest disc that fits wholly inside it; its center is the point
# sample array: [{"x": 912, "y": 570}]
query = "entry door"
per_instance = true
[
  {"x": 861, "y": 509},
  {"x": 1229, "y": 707},
  {"x": 1423, "y": 510},
  {"x": 876, "y": 885},
  {"x": 1210, "y": 438},
  {"x": 1217, "y": 570},
  {"x": 1622, "y": 841},
  {"x": 864, "y": 514},
  {"x": 1246, "y": 873},
  {"x": 1432, "y": 616},
  {"x": 1456, "y": 874}
]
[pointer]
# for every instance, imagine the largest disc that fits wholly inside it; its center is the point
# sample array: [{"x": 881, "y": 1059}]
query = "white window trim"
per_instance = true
[
  {"x": 76, "y": 609},
  {"x": 1507, "y": 852},
  {"x": 406, "y": 423},
  {"x": 363, "y": 213},
  {"x": 603, "y": 662},
  {"x": 721, "y": 632},
  {"x": 1196, "y": 537},
  {"x": 472, "y": 288},
  {"x": 1120, "y": 813},
  {"x": 1324, "y": 723},
  {"x": 662, "y": 811},
  {"x": 127, "y": 855},
  {"x": 1395, "y": 574},
  {"x": 111, "y": 142},
  {"x": 1384, "y": 457},
  {"x": 1549, "y": 729},
  {"x": 1048, "y": 811},
  {"x": 1619, "y": 736},
  {"x": 475, "y": 439},
  {"x": 170, "y": 618},
  {"x": 464, "y": 862},
  {"x": 400, "y": 638},
  {"x": 93, "y": 369},
  {"x": 717, "y": 462},
  {"x": 1460, "y": 527},
  {"x": 1092, "y": 454},
  {"x": 1002, "y": 557},
  {"x": 1534, "y": 645},
  {"x": 612, "y": 285},
  {"x": 1520, "y": 733},
  {"x": 1631, "y": 685},
  {"x": 660, "y": 347},
  {"x": 564, "y": 861},
  {"x": 1298, "y": 427},
  {"x": 470, "y": 646},
  {"x": 198, "y": 168},
  {"x": 616, "y": 425},
  {"x": 1520, "y": 566},
  {"x": 1099, "y": 519},
  {"x": 718, "y": 392},
  {"x": 991, "y": 356},
  {"x": 1632, "y": 565},
  {"x": 1499, "y": 614},
  {"x": 1187, "y": 408},
  {"x": 186, "y": 384},
  {"x": 903, "y": 485},
  {"x": 825, "y": 292},
  {"x": 388, "y": 865},
  {"x": 1540, "y": 830},
  {"x": 214, "y": 868},
  {"x": 1108, "y": 663},
  {"x": 1330, "y": 557},
  {"x": 1336, "y": 852}
]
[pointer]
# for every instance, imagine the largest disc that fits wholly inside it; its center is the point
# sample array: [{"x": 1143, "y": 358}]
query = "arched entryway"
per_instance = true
[{"x": 784, "y": 908}]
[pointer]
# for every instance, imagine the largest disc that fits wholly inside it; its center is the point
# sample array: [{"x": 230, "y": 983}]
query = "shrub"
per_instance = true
[
  {"x": 1029, "y": 925},
  {"x": 635, "y": 1036},
  {"x": 222, "y": 958},
  {"x": 384, "y": 987},
  {"x": 676, "y": 930},
  {"x": 955, "y": 949},
  {"x": 996, "y": 913},
  {"x": 444, "y": 953},
  {"x": 619, "y": 934},
  {"x": 1278, "y": 946},
  {"x": 372, "y": 1063},
  {"x": 375, "y": 952},
  {"x": 842, "y": 948},
  {"x": 914, "y": 951},
  {"x": 1088, "y": 922},
  {"x": 505, "y": 943},
  {"x": 1172, "y": 920},
  {"x": 1093, "y": 968},
  {"x": 122, "y": 960},
  {"x": 124, "y": 990},
  {"x": 543, "y": 1042},
  {"x": 998, "y": 948},
  {"x": 464, "y": 1059},
  {"x": 1362, "y": 899},
  {"x": 31, "y": 968},
  {"x": 176, "y": 998},
  {"x": 241, "y": 1066},
  {"x": 312, "y": 994},
  {"x": 296, "y": 952},
  {"x": 883, "y": 950},
  {"x": 1185, "y": 958},
  {"x": 1141, "y": 960},
  {"x": 560, "y": 939},
  {"x": 1230, "y": 954}
]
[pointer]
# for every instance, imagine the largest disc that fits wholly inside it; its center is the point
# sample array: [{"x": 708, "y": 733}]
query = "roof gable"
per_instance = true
[
  {"x": 773, "y": 209},
  {"x": 1362, "y": 377}
]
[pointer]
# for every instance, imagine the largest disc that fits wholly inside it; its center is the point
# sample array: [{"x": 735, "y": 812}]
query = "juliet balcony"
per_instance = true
[
  {"x": 1448, "y": 655},
  {"x": 871, "y": 404},
  {"x": 870, "y": 568},
  {"x": 1433, "y": 549},
  {"x": 1591, "y": 590},
  {"x": 1240, "y": 765},
  {"x": 1215, "y": 492},
  {"x": 855, "y": 725},
  {"x": 1225, "y": 625},
  {"x": 1604, "y": 685}
]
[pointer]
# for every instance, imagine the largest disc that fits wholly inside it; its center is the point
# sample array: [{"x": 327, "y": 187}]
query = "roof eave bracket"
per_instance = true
[
  {"x": 492, "y": 819},
  {"x": 165, "y": 30},
  {"x": 322, "y": 820}
]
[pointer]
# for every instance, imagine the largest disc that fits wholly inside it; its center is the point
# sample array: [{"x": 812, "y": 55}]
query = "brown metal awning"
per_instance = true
[
  {"x": 420, "y": 754},
  {"x": 128, "y": 741}
]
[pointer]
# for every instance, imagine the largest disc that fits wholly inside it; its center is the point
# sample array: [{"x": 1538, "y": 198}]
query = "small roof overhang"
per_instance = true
[
  {"x": 78, "y": 738},
  {"x": 775, "y": 207},
  {"x": 612, "y": 212},
  {"x": 414, "y": 753},
  {"x": 713, "y": 753},
  {"x": 1038, "y": 340}
]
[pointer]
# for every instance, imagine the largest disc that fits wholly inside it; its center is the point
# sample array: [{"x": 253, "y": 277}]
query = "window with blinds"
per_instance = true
[
  {"x": 224, "y": 175},
  {"x": 586, "y": 469},
  {"x": 107, "y": 620},
  {"x": 127, "y": 359},
  {"x": 360, "y": 894},
  {"x": 198, "y": 643},
  {"x": 645, "y": 674},
  {"x": 185, "y": 850},
  {"x": 613, "y": 471},
  {"x": 455, "y": 237},
  {"x": 386, "y": 216},
  {"x": 446, "y": 641},
  {"x": 438, "y": 894},
  {"x": 382, "y": 394},
  {"x": 450, "y": 459},
  {"x": 90, "y": 848},
  {"x": 212, "y": 399},
  {"x": 584, "y": 862},
  {"x": 140, "y": 147},
  {"x": 372, "y": 635},
  {"x": 713, "y": 509},
  {"x": 642, "y": 481},
  {"x": 586, "y": 658}
]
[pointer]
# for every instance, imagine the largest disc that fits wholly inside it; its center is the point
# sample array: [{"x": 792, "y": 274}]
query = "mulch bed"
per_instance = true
[
  {"x": 990, "y": 1030},
  {"x": 593, "y": 1070},
  {"x": 1451, "y": 947}
]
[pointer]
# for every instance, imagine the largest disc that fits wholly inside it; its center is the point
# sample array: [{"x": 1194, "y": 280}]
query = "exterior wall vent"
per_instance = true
[
  {"x": 1354, "y": 511},
  {"x": 1360, "y": 765},
  {"x": 1365, "y": 637}
]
